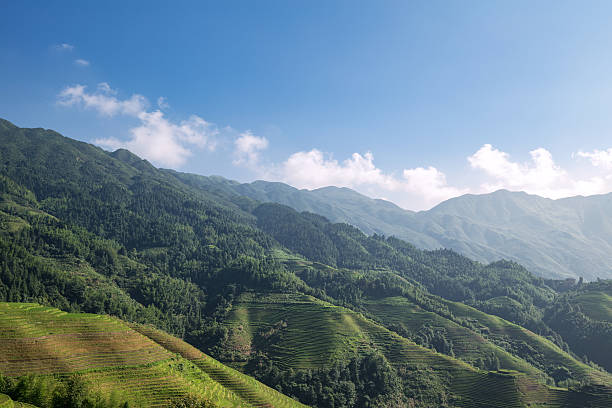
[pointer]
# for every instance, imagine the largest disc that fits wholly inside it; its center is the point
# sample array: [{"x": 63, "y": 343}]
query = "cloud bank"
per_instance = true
[
  {"x": 416, "y": 188},
  {"x": 541, "y": 176},
  {"x": 156, "y": 138},
  {"x": 170, "y": 143},
  {"x": 421, "y": 188},
  {"x": 599, "y": 158},
  {"x": 248, "y": 148}
]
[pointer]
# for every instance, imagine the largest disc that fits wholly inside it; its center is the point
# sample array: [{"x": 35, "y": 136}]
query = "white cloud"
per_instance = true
[
  {"x": 161, "y": 141},
  {"x": 104, "y": 87},
  {"x": 541, "y": 176},
  {"x": 599, "y": 158},
  {"x": 162, "y": 103},
  {"x": 101, "y": 101},
  {"x": 542, "y": 172},
  {"x": 64, "y": 47},
  {"x": 313, "y": 170},
  {"x": 431, "y": 185},
  {"x": 423, "y": 187},
  {"x": 81, "y": 62},
  {"x": 171, "y": 143},
  {"x": 156, "y": 138},
  {"x": 417, "y": 188},
  {"x": 248, "y": 148}
]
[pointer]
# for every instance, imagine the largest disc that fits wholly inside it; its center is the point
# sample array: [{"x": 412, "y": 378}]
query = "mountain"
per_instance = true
[
  {"x": 317, "y": 310},
  {"x": 569, "y": 237}
]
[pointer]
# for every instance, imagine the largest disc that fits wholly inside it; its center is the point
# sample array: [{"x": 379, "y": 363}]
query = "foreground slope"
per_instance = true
[
  {"x": 113, "y": 357},
  {"x": 7, "y": 402}
]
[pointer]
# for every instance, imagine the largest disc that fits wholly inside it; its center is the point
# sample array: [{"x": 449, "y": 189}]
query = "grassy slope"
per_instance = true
[
  {"x": 7, "y": 402},
  {"x": 114, "y": 357},
  {"x": 596, "y": 305},
  {"x": 316, "y": 333},
  {"x": 468, "y": 345},
  {"x": 500, "y": 327}
]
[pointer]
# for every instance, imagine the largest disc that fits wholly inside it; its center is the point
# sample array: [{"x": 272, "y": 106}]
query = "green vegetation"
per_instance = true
[
  {"x": 7, "y": 402},
  {"x": 305, "y": 335},
  {"x": 583, "y": 317},
  {"x": 316, "y": 310},
  {"x": 555, "y": 238},
  {"x": 56, "y": 359}
]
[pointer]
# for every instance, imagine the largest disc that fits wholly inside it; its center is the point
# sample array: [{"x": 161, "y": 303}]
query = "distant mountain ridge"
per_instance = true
[{"x": 569, "y": 237}]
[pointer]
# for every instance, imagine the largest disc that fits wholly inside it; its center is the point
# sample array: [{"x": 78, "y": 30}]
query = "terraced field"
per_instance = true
[
  {"x": 340, "y": 332},
  {"x": 249, "y": 389},
  {"x": 113, "y": 357},
  {"x": 596, "y": 305},
  {"x": 551, "y": 352},
  {"x": 316, "y": 332},
  {"x": 467, "y": 344}
]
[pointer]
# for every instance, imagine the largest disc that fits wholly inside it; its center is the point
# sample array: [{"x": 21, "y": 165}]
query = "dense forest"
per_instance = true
[{"x": 86, "y": 230}]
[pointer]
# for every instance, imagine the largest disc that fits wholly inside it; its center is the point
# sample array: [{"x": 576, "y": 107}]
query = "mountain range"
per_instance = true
[
  {"x": 565, "y": 238},
  {"x": 104, "y": 257}
]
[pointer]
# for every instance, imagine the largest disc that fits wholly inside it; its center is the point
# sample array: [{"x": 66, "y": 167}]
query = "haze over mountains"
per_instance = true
[{"x": 569, "y": 237}]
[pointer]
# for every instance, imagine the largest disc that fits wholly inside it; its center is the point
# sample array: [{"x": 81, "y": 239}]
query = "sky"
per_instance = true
[{"x": 411, "y": 101}]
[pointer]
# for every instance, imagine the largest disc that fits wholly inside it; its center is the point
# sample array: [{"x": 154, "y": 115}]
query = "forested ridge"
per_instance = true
[
  {"x": 569, "y": 237},
  {"x": 86, "y": 230}
]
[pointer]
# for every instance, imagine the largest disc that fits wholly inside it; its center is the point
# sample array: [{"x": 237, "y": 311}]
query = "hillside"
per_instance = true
[
  {"x": 116, "y": 360},
  {"x": 306, "y": 335},
  {"x": 583, "y": 316},
  {"x": 7, "y": 402},
  {"x": 292, "y": 299},
  {"x": 554, "y": 238}
]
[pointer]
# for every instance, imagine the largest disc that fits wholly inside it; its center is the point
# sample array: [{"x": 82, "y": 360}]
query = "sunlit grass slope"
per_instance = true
[
  {"x": 7, "y": 402},
  {"x": 596, "y": 305},
  {"x": 113, "y": 357},
  {"x": 247, "y": 388},
  {"x": 310, "y": 333},
  {"x": 584, "y": 318}
]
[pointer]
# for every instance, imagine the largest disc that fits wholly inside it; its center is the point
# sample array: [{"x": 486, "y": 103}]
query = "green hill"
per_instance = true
[
  {"x": 481, "y": 339},
  {"x": 583, "y": 317},
  {"x": 466, "y": 344},
  {"x": 307, "y": 334},
  {"x": 297, "y": 302},
  {"x": 146, "y": 370},
  {"x": 554, "y": 238}
]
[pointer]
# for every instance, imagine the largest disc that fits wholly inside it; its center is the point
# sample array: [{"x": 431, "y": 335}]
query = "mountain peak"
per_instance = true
[{"x": 5, "y": 124}]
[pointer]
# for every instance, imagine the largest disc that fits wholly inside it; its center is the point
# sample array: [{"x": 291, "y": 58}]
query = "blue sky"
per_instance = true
[{"x": 411, "y": 101}]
